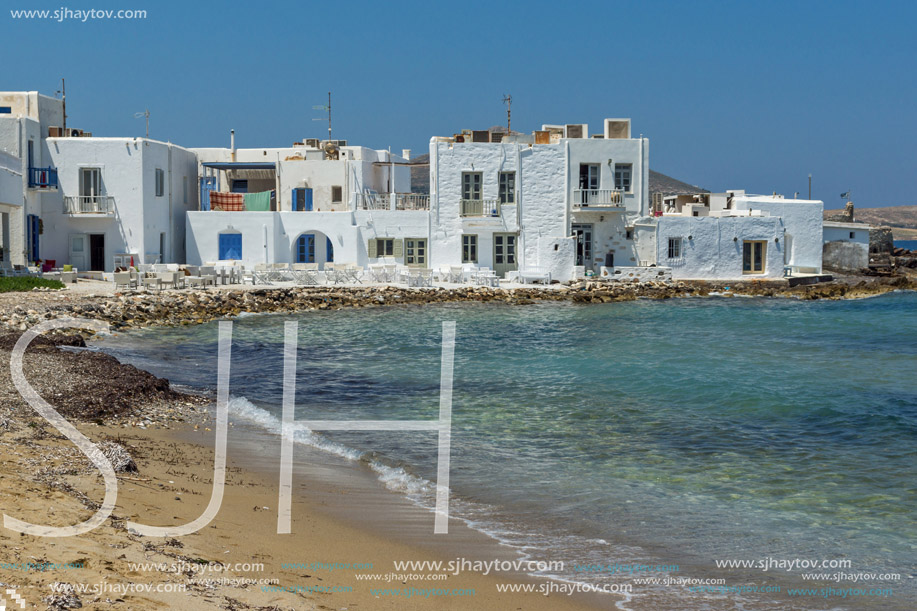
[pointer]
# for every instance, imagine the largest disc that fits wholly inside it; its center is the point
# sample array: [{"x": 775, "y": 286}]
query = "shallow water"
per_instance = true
[{"x": 674, "y": 432}]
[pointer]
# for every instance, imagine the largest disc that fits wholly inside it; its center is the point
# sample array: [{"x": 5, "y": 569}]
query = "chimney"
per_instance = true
[
  {"x": 406, "y": 153},
  {"x": 232, "y": 144}
]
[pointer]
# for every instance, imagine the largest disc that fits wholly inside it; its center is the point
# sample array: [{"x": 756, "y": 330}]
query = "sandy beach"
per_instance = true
[{"x": 237, "y": 561}]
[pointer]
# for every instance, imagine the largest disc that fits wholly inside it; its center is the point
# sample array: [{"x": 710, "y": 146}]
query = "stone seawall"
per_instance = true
[{"x": 132, "y": 310}]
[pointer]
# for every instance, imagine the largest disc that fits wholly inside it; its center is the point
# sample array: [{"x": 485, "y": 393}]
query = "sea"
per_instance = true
[
  {"x": 909, "y": 244},
  {"x": 630, "y": 441}
]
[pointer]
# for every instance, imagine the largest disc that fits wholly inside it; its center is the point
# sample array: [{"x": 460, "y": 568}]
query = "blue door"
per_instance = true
[
  {"x": 34, "y": 225},
  {"x": 305, "y": 248},
  {"x": 230, "y": 246},
  {"x": 329, "y": 251},
  {"x": 208, "y": 184},
  {"x": 302, "y": 200}
]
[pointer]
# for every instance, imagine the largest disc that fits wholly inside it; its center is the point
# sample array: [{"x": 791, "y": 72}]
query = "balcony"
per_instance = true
[
  {"x": 403, "y": 201},
  {"x": 598, "y": 199},
  {"x": 42, "y": 178},
  {"x": 103, "y": 205},
  {"x": 480, "y": 207}
]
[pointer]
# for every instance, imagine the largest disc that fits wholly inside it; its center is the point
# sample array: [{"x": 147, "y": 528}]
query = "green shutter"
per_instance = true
[
  {"x": 371, "y": 248},
  {"x": 398, "y": 248}
]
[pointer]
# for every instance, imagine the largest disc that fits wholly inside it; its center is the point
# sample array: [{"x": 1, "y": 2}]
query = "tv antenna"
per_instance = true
[
  {"x": 63, "y": 98},
  {"x": 508, "y": 100},
  {"x": 145, "y": 114},
  {"x": 328, "y": 109}
]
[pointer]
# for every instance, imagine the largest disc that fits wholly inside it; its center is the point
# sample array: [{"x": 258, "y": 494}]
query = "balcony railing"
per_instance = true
[
  {"x": 42, "y": 178},
  {"x": 89, "y": 204},
  {"x": 598, "y": 198},
  {"x": 480, "y": 207},
  {"x": 403, "y": 201}
]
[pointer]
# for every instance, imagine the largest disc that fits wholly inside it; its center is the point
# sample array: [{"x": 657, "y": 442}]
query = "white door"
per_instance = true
[{"x": 79, "y": 250}]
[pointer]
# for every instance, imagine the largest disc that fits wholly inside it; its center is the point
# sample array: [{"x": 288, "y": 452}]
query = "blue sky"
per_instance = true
[{"x": 731, "y": 94}]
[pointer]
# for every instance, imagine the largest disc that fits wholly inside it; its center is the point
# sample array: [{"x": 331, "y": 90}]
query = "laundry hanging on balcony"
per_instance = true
[
  {"x": 258, "y": 202},
  {"x": 227, "y": 202}
]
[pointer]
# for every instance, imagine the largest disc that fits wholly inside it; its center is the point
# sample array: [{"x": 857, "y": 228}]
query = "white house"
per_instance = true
[
  {"x": 556, "y": 201},
  {"x": 314, "y": 202},
  {"x": 734, "y": 236},
  {"x": 120, "y": 200}
]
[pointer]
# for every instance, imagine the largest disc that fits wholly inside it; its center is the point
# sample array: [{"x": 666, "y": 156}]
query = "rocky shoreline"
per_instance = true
[{"x": 133, "y": 310}]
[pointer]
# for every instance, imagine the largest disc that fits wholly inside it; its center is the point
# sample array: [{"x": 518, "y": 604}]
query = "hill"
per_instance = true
[{"x": 659, "y": 183}]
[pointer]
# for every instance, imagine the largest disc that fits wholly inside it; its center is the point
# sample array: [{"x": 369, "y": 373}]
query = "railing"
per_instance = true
[
  {"x": 403, "y": 201},
  {"x": 598, "y": 198},
  {"x": 43, "y": 178},
  {"x": 89, "y": 204},
  {"x": 480, "y": 207}
]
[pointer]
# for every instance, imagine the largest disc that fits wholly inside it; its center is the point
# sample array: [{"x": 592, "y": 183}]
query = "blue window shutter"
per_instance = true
[
  {"x": 308, "y": 207},
  {"x": 230, "y": 246},
  {"x": 329, "y": 251},
  {"x": 33, "y": 237},
  {"x": 294, "y": 199}
]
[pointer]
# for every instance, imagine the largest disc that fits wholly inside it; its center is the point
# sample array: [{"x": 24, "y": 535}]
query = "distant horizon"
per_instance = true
[{"x": 755, "y": 97}]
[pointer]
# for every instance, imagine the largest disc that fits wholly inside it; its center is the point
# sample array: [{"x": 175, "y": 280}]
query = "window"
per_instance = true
[
  {"x": 589, "y": 176},
  {"x": 239, "y": 186},
  {"x": 337, "y": 195},
  {"x": 160, "y": 182},
  {"x": 6, "y": 110},
  {"x": 507, "y": 187},
  {"x": 415, "y": 252},
  {"x": 753, "y": 253},
  {"x": 302, "y": 200},
  {"x": 852, "y": 235},
  {"x": 385, "y": 247},
  {"x": 471, "y": 186},
  {"x": 629, "y": 235},
  {"x": 623, "y": 172},
  {"x": 90, "y": 183},
  {"x": 469, "y": 248},
  {"x": 675, "y": 250},
  {"x": 230, "y": 246},
  {"x": 305, "y": 248}
]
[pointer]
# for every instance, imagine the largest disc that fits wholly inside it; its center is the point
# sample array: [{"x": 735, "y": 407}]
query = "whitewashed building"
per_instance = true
[
  {"x": 735, "y": 236},
  {"x": 328, "y": 202},
  {"x": 846, "y": 246},
  {"x": 556, "y": 201},
  {"x": 93, "y": 203}
]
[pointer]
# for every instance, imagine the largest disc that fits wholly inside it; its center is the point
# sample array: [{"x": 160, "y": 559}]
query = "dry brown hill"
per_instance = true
[{"x": 902, "y": 219}]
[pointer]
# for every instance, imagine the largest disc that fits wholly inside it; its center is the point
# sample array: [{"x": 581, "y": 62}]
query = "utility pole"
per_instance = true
[
  {"x": 810, "y": 186},
  {"x": 508, "y": 100}
]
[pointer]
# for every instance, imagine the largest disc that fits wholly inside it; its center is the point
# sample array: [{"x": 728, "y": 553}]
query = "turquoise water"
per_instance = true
[{"x": 670, "y": 432}]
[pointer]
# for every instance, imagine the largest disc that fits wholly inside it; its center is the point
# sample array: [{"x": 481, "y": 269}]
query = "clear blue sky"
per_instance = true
[{"x": 731, "y": 94}]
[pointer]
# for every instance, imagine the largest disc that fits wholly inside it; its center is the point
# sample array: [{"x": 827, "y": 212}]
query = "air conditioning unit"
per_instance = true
[
  {"x": 617, "y": 129},
  {"x": 496, "y": 136},
  {"x": 577, "y": 130},
  {"x": 313, "y": 142}
]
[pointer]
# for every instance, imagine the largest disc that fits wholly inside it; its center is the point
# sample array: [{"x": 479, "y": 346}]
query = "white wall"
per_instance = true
[
  {"x": 713, "y": 246},
  {"x": 128, "y": 169},
  {"x": 802, "y": 220}
]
